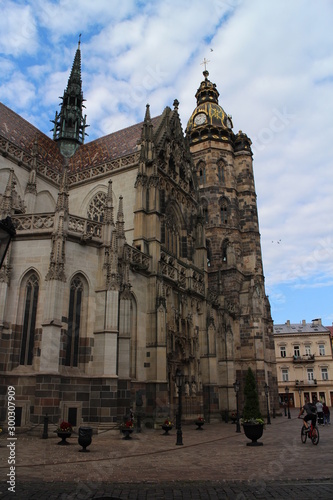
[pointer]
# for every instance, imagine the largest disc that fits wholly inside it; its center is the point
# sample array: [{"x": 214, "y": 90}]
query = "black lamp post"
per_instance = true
[
  {"x": 266, "y": 388},
  {"x": 236, "y": 389},
  {"x": 287, "y": 392},
  {"x": 7, "y": 231},
  {"x": 179, "y": 384}
]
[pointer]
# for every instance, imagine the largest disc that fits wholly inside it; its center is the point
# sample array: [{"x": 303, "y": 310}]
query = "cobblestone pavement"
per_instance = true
[{"x": 212, "y": 464}]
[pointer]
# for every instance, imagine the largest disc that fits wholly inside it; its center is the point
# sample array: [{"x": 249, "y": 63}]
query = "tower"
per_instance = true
[
  {"x": 240, "y": 309},
  {"x": 70, "y": 124}
]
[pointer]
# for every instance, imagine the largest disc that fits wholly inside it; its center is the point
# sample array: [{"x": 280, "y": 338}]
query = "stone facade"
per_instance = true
[
  {"x": 304, "y": 362},
  {"x": 135, "y": 254}
]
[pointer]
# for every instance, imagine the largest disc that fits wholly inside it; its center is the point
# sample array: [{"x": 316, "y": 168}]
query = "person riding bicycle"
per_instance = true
[{"x": 311, "y": 414}]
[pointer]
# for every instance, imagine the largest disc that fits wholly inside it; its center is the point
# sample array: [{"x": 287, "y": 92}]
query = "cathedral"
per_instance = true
[{"x": 136, "y": 255}]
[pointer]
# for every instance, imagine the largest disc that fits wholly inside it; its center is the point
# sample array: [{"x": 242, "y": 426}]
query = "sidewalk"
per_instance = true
[{"x": 211, "y": 462}]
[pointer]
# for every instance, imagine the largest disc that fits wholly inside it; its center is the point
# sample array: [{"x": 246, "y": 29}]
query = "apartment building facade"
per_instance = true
[{"x": 304, "y": 362}]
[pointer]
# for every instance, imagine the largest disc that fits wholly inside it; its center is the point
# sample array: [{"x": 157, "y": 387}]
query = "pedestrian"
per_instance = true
[
  {"x": 326, "y": 412},
  {"x": 320, "y": 414}
]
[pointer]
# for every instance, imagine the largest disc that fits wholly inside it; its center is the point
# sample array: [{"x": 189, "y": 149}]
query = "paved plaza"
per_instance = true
[{"x": 214, "y": 463}]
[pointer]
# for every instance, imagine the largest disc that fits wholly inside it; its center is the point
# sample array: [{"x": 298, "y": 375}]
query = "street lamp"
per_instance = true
[
  {"x": 236, "y": 389},
  {"x": 266, "y": 388},
  {"x": 179, "y": 384},
  {"x": 287, "y": 392},
  {"x": 7, "y": 231}
]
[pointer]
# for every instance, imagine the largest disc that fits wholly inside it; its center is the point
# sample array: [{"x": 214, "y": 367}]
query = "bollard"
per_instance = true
[{"x": 46, "y": 425}]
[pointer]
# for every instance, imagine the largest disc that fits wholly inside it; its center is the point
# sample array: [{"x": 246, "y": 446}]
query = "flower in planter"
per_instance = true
[
  {"x": 200, "y": 419},
  {"x": 129, "y": 424},
  {"x": 65, "y": 427},
  {"x": 168, "y": 422}
]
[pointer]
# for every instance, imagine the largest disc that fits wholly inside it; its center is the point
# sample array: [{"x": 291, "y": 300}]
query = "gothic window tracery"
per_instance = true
[
  {"x": 29, "y": 319},
  {"x": 74, "y": 322},
  {"x": 224, "y": 211},
  {"x": 96, "y": 207}
]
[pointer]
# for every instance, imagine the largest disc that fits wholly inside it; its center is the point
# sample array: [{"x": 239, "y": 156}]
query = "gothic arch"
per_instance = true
[
  {"x": 27, "y": 316},
  {"x": 74, "y": 347},
  {"x": 201, "y": 172},
  {"x": 224, "y": 206},
  {"x": 45, "y": 202},
  {"x": 221, "y": 171},
  {"x": 88, "y": 206}
]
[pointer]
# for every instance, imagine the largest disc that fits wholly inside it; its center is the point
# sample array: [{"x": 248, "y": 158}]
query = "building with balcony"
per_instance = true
[{"x": 304, "y": 362}]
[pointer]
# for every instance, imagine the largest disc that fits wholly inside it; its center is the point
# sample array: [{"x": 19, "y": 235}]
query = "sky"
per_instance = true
[{"x": 272, "y": 62}]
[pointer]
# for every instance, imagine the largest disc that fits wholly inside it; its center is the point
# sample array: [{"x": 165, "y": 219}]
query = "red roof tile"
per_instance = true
[{"x": 22, "y": 134}]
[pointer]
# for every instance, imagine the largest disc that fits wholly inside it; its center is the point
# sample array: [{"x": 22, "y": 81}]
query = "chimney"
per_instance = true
[
  {"x": 317, "y": 321},
  {"x": 303, "y": 322},
  {"x": 288, "y": 322}
]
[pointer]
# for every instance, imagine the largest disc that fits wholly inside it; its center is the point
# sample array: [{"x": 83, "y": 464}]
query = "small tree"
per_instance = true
[{"x": 251, "y": 409}]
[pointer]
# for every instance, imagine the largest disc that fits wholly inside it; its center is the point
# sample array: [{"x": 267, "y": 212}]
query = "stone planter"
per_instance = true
[
  {"x": 63, "y": 436},
  {"x": 127, "y": 433},
  {"x": 166, "y": 429},
  {"x": 253, "y": 432},
  {"x": 199, "y": 424}
]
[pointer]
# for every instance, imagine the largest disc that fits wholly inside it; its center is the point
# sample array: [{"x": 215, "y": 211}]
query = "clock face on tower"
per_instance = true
[{"x": 200, "y": 119}]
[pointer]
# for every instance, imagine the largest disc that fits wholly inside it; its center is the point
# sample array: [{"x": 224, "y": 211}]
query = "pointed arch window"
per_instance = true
[
  {"x": 201, "y": 172},
  {"x": 74, "y": 322},
  {"x": 29, "y": 320},
  {"x": 224, "y": 212},
  {"x": 96, "y": 207}
]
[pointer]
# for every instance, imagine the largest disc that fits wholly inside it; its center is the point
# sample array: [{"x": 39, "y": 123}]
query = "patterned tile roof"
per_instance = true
[{"x": 22, "y": 134}]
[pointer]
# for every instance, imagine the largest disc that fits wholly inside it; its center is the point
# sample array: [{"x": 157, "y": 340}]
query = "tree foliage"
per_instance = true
[{"x": 251, "y": 409}]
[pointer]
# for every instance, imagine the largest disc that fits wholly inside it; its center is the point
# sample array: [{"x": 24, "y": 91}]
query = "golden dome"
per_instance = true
[{"x": 208, "y": 118}]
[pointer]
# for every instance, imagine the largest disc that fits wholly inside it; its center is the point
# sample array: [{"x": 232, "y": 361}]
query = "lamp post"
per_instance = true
[
  {"x": 7, "y": 231},
  {"x": 236, "y": 389},
  {"x": 179, "y": 384},
  {"x": 266, "y": 388},
  {"x": 287, "y": 392}
]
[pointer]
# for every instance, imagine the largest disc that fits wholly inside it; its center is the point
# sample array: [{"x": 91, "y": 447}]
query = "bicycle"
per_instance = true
[{"x": 313, "y": 434}]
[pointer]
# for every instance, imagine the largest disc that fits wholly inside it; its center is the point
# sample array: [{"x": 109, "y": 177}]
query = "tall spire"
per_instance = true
[{"x": 70, "y": 124}]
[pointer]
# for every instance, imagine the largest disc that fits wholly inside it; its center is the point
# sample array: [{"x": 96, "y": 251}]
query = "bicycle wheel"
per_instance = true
[
  {"x": 304, "y": 435},
  {"x": 315, "y": 435}
]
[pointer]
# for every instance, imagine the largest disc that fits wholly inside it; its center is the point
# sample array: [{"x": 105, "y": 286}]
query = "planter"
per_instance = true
[
  {"x": 166, "y": 429},
  {"x": 253, "y": 432},
  {"x": 199, "y": 424},
  {"x": 127, "y": 433},
  {"x": 63, "y": 436},
  {"x": 85, "y": 437}
]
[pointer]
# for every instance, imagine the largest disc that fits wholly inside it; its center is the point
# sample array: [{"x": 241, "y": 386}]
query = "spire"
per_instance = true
[
  {"x": 147, "y": 143},
  {"x": 70, "y": 124}
]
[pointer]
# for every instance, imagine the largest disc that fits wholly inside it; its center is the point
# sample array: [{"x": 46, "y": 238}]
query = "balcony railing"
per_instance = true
[
  {"x": 307, "y": 358},
  {"x": 304, "y": 383}
]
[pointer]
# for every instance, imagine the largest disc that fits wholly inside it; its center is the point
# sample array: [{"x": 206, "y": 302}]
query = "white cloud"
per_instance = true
[
  {"x": 272, "y": 63},
  {"x": 18, "y": 29}
]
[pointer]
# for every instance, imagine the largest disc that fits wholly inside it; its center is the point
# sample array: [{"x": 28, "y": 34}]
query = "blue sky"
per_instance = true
[{"x": 273, "y": 66}]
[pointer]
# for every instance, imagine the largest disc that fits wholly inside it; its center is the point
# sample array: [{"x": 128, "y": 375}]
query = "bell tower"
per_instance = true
[{"x": 223, "y": 162}]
